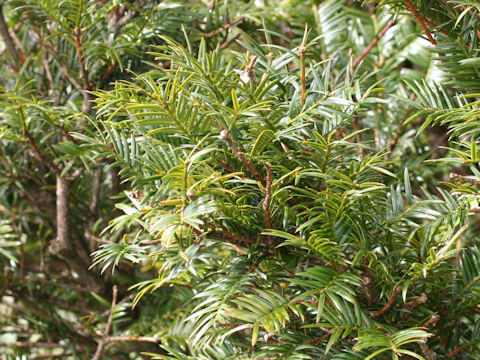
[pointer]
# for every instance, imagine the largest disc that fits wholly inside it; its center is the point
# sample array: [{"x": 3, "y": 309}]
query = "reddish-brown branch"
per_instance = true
[
  {"x": 151, "y": 339},
  {"x": 369, "y": 48},
  {"x": 102, "y": 342},
  {"x": 97, "y": 184},
  {"x": 29, "y": 344},
  {"x": 67, "y": 134},
  {"x": 227, "y": 43},
  {"x": 7, "y": 40},
  {"x": 420, "y": 21},
  {"x": 65, "y": 355},
  {"x": 357, "y": 126},
  {"x": 232, "y": 324},
  {"x": 226, "y": 27},
  {"x": 454, "y": 352},
  {"x": 455, "y": 176},
  {"x": 238, "y": 238},
  {"x": 312, "y": 302},
  {"x": 231, "y": 237},
  {"x": 389, "y": 303},
  {"x": 268, "y": 196},
  {"x": 87, "y": 104},
  {"x": 229, "y": 168},
  {"x": 432, "y": 322},
  {"x": 225, "y": 135},
  {"x": 301, "y": 51},
  {"x": 40, "y": 155},
  {"x": 415, "y": 302},
  {"x": 433, "y": 25},
  {"x": 107, "y": 72},
  {"x": 150, "y": 242},
  {"x": 367, "y": 285},
  {"x": 21, "y": 50},
  {"x": 78, "y": 47}
]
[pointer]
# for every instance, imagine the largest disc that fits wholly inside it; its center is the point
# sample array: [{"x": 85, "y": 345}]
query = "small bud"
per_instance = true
[
  {"x": 245, "y": 77},
  {"x": 223, "y": 134}
]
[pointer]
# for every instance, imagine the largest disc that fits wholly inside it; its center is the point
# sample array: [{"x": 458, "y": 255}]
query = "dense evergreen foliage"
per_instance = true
[{"x": 239, "y": 179}]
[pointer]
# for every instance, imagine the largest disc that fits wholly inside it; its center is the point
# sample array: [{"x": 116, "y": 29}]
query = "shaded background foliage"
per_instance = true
[{"x": 255, "y": 179}]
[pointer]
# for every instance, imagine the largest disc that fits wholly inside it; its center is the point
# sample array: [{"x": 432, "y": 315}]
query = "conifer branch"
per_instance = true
[
  {"x": 150, "y": 339},
  {"x": 7, "y": 39},
  {"x": 225, "y": 135},
  {"x": 459, "y": 177},
  {"x": 102, "y": 342},
  {"x": 268, "y": 196},
  {"x": 420, "y": 21},
  {"x": 369, "y": 48},
  {"x": 303, "y": 82},
  {"x": 87, "y": 104},
  {"x": 227, "y": 26},
  {"x": 389, "y": 303}
]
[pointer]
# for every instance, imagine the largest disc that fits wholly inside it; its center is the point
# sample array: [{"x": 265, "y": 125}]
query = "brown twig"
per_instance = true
[
  {"x": 87, "y": 104},
  {"x": 39, "y": 153},
  {"x": 238, "y": 238},
  {"x": 74, "y": 81},
  {"x": 301, "y": 52},
  {"x": 231, "y": 324},
  {"x": 30, "y": 344},
  {"x": 97, "y": 184},
  {"x": 226, "y": 27},
  {"x": 226, "y": 44},
  {"x": 454, "y": 352},
  {"x": 21, "y": 50},
  {"x": 455, "y": 176},
  {"x": 420, "y": 21},
  {"x": 46, "y": 67},
  {"x": 357, "y": 126},
  {"x": 51, "y": 356},
  {"x": 366, "y": 282},
  {"x": 268, "y": 196},
  {"x": 7, "y": 39},
  {"x": 150, "y": 242},
  {"x": 102, "y": 342},
  {"x": 389, "y": 303},
  {"x": 433, "y": 25},
  {"x": 369, "y": 48},
  {"x": 107, "y": 72},
  {"x": 151, "y": 339},
  {"x": 225, "y": 135},
  {"x": 54, "y": 282},
  {"x": 31, "y": 308},
  {"x": 66, "y": 305},
  {"x": 433, "y": 321},
  {"x": 231, "y": 236},
  {"x": 229, "y": 168},
  {"x": 94, "y": 209},
  {"x": 412, "y": 304}
]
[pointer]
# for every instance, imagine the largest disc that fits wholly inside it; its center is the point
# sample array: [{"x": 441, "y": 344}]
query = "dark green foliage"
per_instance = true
[{"x": 256, "y": 179}]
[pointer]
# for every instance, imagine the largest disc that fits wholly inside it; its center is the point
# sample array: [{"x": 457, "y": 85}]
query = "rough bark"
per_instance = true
[
  {"x": 7, "y": 39},
  {"x": 64, "y": 245}
]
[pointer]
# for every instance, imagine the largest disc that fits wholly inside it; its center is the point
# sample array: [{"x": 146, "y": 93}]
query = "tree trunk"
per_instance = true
[{"x": 64, "y": 245}]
